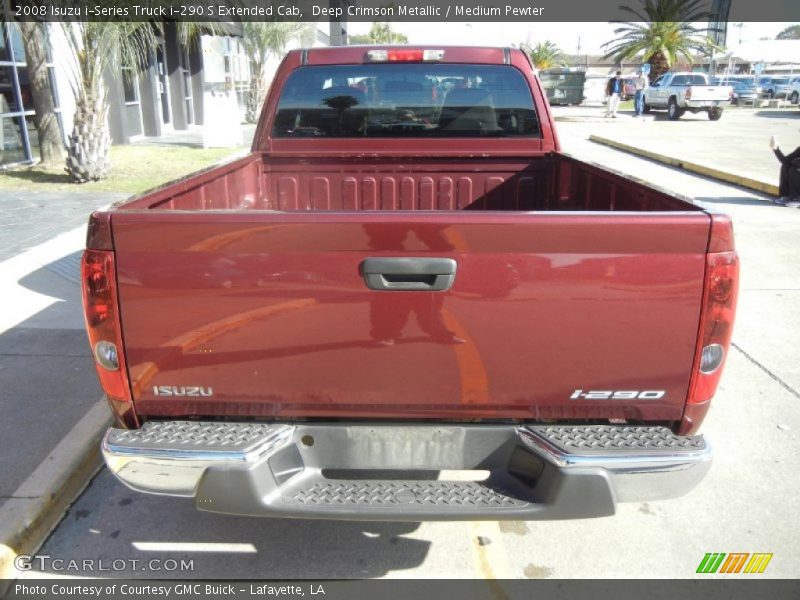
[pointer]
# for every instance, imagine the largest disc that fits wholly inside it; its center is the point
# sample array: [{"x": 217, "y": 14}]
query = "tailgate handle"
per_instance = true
[{"x": 409, "y": 274}]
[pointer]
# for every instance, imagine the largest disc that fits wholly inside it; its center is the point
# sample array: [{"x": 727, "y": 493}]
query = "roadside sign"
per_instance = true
[
  {"x": 758, "y": 68},
  {"x": 646, "y": 68}
]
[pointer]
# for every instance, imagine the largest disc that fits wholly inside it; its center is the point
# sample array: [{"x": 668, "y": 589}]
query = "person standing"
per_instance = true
[
  {"x": 613, "y": 91},
  {"x": 789, "y": 184},
  {"x": 638, "y": 98}
]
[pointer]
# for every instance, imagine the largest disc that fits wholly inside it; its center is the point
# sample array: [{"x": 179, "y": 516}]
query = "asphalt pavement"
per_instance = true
[
  {"x": 738, "y": 143},
  {"x": 746, "y": 504},
  {"x": 47, "y": 377}
]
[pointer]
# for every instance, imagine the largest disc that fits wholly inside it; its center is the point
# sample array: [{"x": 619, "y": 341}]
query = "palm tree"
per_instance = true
[
  {"x": 109, "y": 48},
  {"x": 100, "y": 47},
  {"x": 790, "y": 33},
  {"x": 664, "y": 30},
  {"x": 261, "y": 39},
  {"x": 51, "y": 146},
  {"x": 544, "y": 55},
  {"x": 379, "y": 33}
]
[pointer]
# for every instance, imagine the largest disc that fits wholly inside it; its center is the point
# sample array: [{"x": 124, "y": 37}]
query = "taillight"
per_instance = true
[
  {"x": 404, "y": 55},
  {"x": 716, "y": 323},
  {"x": 103, "y": 324},
  {"x": 688, "y": 93}
]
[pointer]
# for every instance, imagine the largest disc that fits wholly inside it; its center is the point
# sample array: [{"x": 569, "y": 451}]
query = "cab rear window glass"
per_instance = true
[
  {"x": 688, "y": 80},
  {"x": 406, "y": 100}
]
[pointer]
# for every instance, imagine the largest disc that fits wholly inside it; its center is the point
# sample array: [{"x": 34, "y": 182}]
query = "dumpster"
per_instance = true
[{"x": 563, "y": 86}]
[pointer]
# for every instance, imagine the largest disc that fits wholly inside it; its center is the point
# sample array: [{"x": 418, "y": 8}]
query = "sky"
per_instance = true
[{"x": 567, "y": 36}]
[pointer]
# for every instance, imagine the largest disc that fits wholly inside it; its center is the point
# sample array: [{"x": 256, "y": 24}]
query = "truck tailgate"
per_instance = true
[
  {"x": 710, "y": 92},
  {"x": 267, "y": 314}
]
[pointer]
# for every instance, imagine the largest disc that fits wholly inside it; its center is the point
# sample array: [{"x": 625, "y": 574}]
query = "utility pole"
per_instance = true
[
  {"x": 739, "y": 27},
  {"x": 718, "y": 21}
]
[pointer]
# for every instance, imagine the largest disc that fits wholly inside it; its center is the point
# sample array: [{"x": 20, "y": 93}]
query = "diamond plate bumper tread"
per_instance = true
[
  {"x": 197, "y": 436},
  {"x": 382, "y": 493},
  {"x": 611, "y": 440}
]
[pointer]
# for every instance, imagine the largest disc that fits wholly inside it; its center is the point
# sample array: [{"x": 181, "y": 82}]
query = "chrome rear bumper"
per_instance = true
[
  {"x": 692, "y": 104},
  {"x": 407, "y": 472}
]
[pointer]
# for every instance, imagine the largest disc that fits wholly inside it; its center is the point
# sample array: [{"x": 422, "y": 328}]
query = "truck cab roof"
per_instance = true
[{"x": 343, "y": 55}]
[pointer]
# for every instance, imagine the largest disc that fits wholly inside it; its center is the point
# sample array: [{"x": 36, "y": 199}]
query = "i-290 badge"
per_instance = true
[{"x": 617, "y": 395}]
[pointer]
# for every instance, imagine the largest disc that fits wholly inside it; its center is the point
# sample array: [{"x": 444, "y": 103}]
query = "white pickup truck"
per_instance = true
[{"x": 679, "y": 92}]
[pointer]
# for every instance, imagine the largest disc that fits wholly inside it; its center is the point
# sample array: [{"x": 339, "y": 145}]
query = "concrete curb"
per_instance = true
[
  {"x": 37, "y": 506},
  {"x": 568, "y": 119},
  {"x": 740, "y": 180}
]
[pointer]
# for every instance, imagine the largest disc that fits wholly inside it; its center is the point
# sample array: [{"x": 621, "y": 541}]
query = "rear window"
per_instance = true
[
  {"x": 689, "y": 80},
  {"x": 406, "y": 100}
]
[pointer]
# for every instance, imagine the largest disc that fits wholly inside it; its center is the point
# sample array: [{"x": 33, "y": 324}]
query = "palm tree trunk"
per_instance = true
[
  {"x": 251, "y": 114},
  {"x": 254, "y": 94},
  {"x": 658, "y": 65},
  {"x": 51, "y": 146},
  {"x": 89, "y": 142}
]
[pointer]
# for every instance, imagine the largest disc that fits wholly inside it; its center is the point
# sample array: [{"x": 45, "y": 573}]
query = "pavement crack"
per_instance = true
[
  {"x": 18, "y": 497},
  {"x": 772, "y": 375}
]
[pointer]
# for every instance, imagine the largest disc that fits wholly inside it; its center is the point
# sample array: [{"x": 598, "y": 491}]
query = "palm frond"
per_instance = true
[
  {"x": 662, "y": 27},
  {"x": 100, "y": 47}
]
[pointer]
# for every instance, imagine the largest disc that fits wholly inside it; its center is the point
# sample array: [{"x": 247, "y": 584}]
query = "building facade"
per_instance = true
[{"x": 168, "y": 95}]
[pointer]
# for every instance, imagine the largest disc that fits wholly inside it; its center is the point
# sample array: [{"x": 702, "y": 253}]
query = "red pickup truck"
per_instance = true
[{"x": 407, "y": 303}]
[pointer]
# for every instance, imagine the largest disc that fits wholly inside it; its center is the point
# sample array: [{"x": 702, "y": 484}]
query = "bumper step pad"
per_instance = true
[
  {"x": 199, "y": 436},
  {"x": 611, "y": 439},
  {"x": 457, "y": 494}
]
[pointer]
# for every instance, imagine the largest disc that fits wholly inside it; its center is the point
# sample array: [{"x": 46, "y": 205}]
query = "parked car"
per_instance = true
[
  {"x": 743, "y": 92},
  {"x": 679, "y": 92},
  {"x": 770, "y": 85},
  {"x": 748, "y": 80},
  {"x": 399, "y": 308},
  {"x": 789, "y": 89},
  {"x": 628, "y": 88}
]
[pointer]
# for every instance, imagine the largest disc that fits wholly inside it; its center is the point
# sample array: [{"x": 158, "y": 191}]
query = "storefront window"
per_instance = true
[
  {"x": 132, "y": 111},
  {"x": 12, "y": 141},
  {"x": 8, "y": 99},
  {"x": 187, "y": 86},
  {"x": 24, "y": 87},
  {"x": 130, "y": 86},
  {"x": 11, "y": 48},
  {"x": 33, "y": 136},
  {"x": 19, "y": 138}
]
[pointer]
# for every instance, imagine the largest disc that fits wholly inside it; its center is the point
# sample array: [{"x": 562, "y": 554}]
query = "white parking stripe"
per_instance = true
[{"x": 195, "y": 547}]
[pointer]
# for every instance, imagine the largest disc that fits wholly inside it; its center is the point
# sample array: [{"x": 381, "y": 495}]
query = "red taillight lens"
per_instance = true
[
  {"x": 688, "y": 93},
  {"x": 714, "y": 336},
  {"x": 103, "y": 324},
  {"x": 405, "y": 55}
]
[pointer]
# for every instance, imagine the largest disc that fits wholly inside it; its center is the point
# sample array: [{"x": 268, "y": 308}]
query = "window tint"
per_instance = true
[{"x": 406, "y": 100}]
